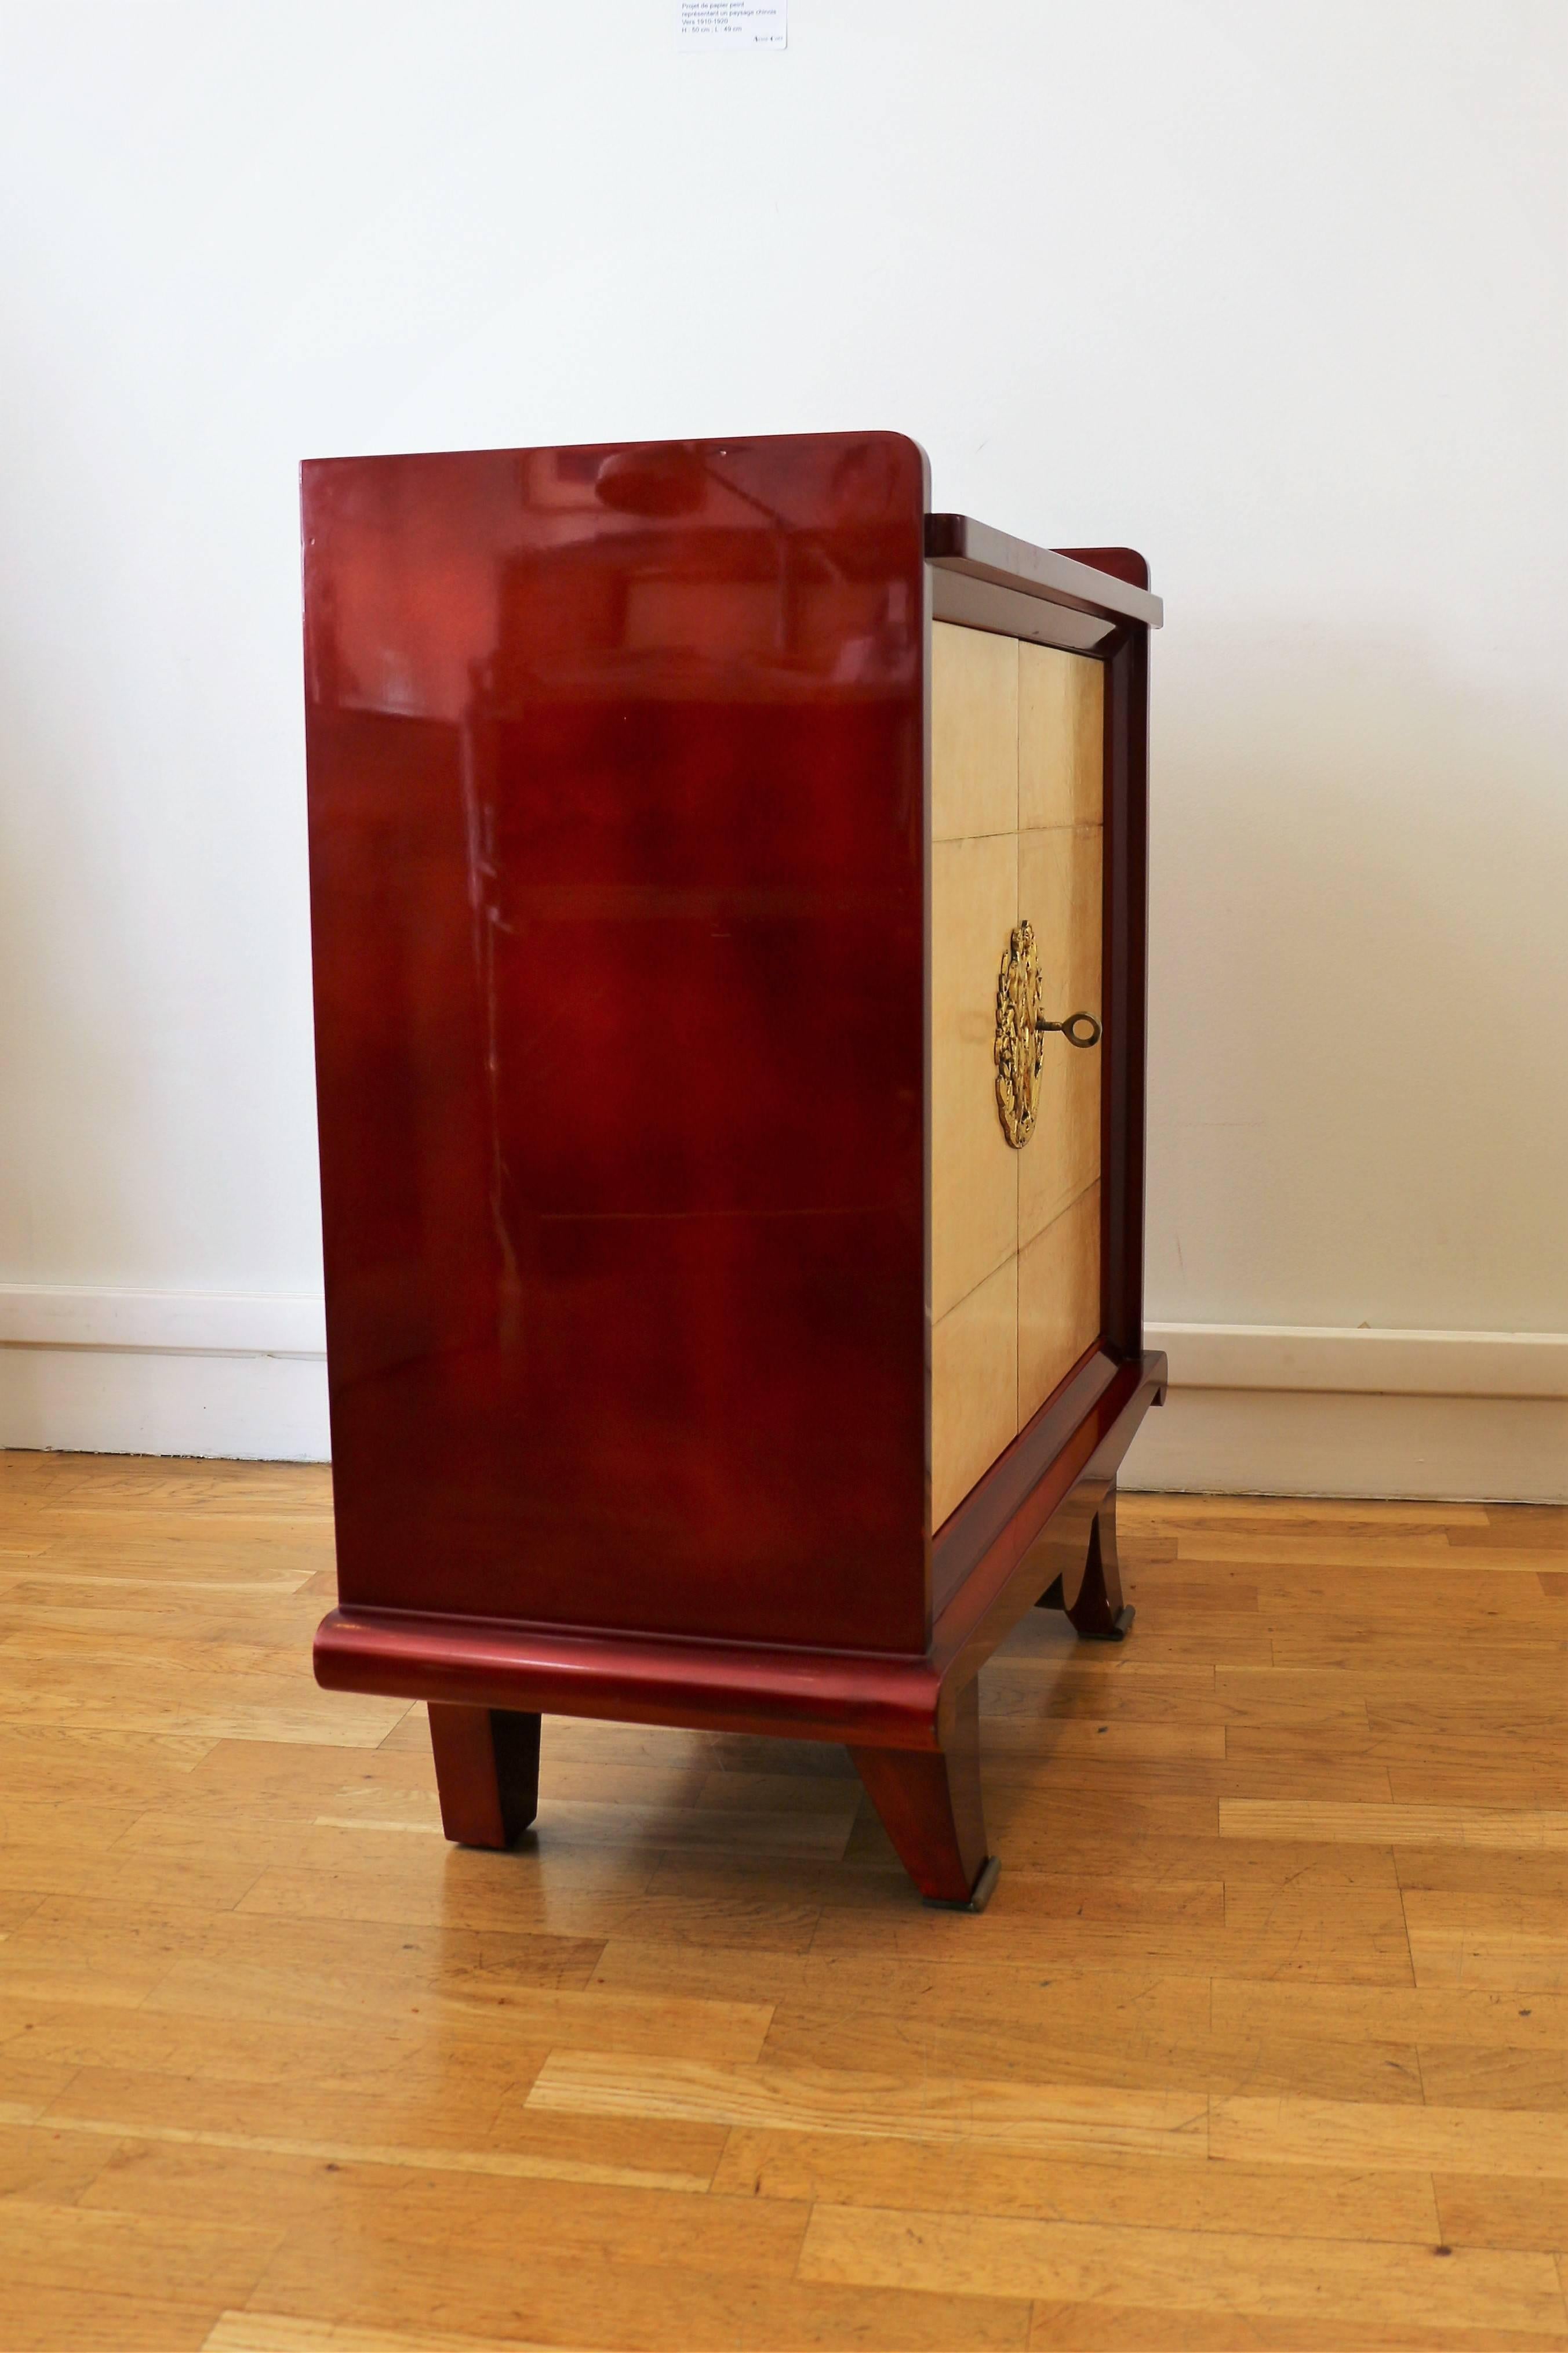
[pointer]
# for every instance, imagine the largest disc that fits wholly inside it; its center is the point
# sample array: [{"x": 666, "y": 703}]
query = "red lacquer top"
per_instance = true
[{"x": 615, "y": 778}]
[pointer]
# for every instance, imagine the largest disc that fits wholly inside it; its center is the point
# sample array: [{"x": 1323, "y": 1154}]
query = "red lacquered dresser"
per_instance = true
[{"x": 727, "y": 888}]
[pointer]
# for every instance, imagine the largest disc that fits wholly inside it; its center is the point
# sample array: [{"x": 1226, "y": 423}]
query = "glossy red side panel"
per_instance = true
[{"x": 615, "y": 782}]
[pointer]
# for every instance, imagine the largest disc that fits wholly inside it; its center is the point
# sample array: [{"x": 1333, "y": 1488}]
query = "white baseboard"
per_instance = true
[
  {"x": 1283, "y": 1410},
  {"x": 246, "y": 1323},
  {"x": 1313, "y": 1443},
  {"x": 1363, "y": 1362},
  {"x": 103, "y": 1401},
  {"x": 1254, "y": 1408},
  {"x": 163, "y": 1372}
]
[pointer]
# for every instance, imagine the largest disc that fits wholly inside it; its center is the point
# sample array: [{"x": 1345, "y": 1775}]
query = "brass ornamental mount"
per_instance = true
[{"x": 1020, "y": 1051}]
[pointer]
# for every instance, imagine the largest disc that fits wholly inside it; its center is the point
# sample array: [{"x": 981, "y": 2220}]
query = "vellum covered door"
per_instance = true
[{"x": 1016, "y": 835}]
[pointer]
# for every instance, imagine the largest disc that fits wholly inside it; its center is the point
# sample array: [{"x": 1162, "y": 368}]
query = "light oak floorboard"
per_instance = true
[
  {"x": 1127, "y": 2329},
  {"x": 1295, "y": 2131},
  {"x": 602, "y": 2297},
  {"x": 1224, "y": 2272},
  {"x": 930, "y": 2108},
  {"x": 276, "y": 2332},
  {"x": 844, "y": 2170}
]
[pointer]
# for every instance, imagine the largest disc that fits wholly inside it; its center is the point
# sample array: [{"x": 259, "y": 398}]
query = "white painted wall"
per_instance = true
[{"x": 1276, "y": 292}]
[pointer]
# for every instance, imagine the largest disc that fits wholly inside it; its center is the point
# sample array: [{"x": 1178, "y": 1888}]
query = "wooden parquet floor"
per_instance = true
[{"x": 1263, "y": 2041}]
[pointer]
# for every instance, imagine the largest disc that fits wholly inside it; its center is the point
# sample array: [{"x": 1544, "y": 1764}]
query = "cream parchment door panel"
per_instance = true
[
  {"x": 974, "y": 1172},
  {"x": 1016, "y": 823}
]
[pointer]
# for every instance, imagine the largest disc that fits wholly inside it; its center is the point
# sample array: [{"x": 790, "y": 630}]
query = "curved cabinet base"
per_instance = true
[{"x": 911, "y": 1724}]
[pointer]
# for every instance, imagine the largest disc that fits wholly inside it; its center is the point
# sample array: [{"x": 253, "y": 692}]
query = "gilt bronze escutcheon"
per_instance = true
[{"x": 1019, "y": 1048}]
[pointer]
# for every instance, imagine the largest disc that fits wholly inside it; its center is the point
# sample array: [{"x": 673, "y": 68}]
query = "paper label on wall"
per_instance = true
[{"x": 730, "y": 24}]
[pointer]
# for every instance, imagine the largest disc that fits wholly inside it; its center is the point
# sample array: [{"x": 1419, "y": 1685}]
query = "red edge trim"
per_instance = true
[{"x": 886, "y": 1702}]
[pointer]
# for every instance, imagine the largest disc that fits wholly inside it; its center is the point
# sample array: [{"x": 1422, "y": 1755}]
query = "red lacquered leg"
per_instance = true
[
  {"x": 1096, "y": 1611},
  {"x": 487, "y": 1770},
  {"x": 1100, "y": 1614},
  {"x": 930, "y": 1809}
]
